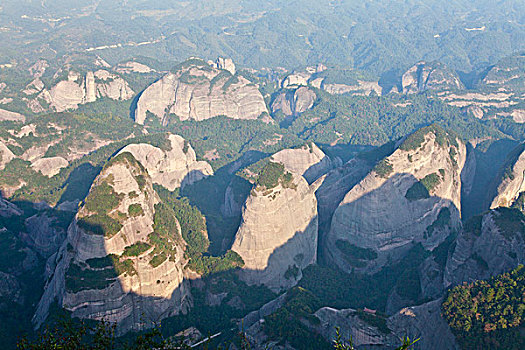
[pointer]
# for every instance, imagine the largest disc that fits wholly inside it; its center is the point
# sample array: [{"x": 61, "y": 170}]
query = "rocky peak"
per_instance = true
[
  {"x": 294, "y": 102},
  {"x": 309, "y": 161},
  {"x": 174, "y": 166},
  {"x": 195, "y": 90},
  {"x": 123, "y": 257},
  {"x": 277, "y": 237},
  {"x": 510, "y": 182},
  {"x": 429, "y": 76},
  {"x": 225, "y": 64},
  {"x": 411, "y": 196},
  {"x": 79, "y": 89},
  {"x": 488, "y": 245}
]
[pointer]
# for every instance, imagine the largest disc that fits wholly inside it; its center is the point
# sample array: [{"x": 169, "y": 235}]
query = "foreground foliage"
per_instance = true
[{"x": 488, "y": 314}]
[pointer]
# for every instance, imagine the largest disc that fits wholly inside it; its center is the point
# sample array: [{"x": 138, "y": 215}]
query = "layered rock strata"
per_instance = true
[
  {"x": 198, "y": 91},
  {"x": 123, "y": 258},
  {"x": 410, "y": 197},
  {"x": 173, "y": 167}
]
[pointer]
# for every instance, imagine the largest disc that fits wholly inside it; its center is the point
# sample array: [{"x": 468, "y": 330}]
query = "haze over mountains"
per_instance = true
[{"x": 270, "y": 171}]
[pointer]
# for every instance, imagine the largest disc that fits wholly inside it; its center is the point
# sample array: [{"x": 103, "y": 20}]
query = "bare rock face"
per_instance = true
[
  {"x": 39, "y": 68},
  {"x": 198, "y": 91},
  {"x": 225, "y": 64},
  {"x": 8, "y": 209},
  {"x": 429, "y": 76},
  {"x": 277, "y": 237},
  {"x": 133, "y": 67},
  {"x": 333, "y": 188},
  {"x": 13, "y": 116},
  {"x": 351, "y": 326},
  {"x": 296, "y": 79},
  {"x": 488, "y": 245},
  {"x": 49, "y": 166},
  {"x": 43, "y": 235},
  {"x": 294, "y": 102},
  {"x": 335, "y": 87},
  {"x": 309, "y": 161},
  {"x": 116, "y": 264},
  {"x": 411, "y": 196},
  {"x": 510, "y": 181},
  {"x": 5, "y": 155},
  {"x": 424, "y": 322},
  {"x": 171, "y": 168},
  {"x": 362, "y": 87},
  {"x": 77, "y": 90}
]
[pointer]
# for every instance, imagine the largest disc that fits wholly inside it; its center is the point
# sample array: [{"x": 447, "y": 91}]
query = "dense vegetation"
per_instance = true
[
  {"x": 193, "y": 226},
  {"x": 488, "y": 314}
]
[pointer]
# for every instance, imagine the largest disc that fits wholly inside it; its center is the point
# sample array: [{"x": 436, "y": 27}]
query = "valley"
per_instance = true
[{"x": 193, "y": 188}]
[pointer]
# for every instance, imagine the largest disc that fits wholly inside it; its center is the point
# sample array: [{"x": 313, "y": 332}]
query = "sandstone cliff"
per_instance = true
[
  {"x": 123, "y": 257},
  {"x": 195, "y": 90},
  {"x": 78, "y": 89},
  {"x": 5, "y": 155},
  {"x": 173, "y": 167},
  {"x": 277, "y": 237},
  {"x": 424, "y": 322},
  {"x": 332, "y": 80},
  {"x": 293, "y": 102},
  {"x": 309, "y": 161},
  {"x": 488, "y": 245},
  {"x": 429, "y": 76},
  {"x": 411, "y": 196},
  {"x": 510, "y": 181}
]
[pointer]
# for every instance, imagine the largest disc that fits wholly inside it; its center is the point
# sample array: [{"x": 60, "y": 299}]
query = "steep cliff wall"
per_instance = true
[
  {"x": 277, "y": 237},
  {"x": 173, "y": 167},
  {"x": 411, "y": 196},
  {"x": 195, "y": 90},
  {"x": 123, "y": 257}
]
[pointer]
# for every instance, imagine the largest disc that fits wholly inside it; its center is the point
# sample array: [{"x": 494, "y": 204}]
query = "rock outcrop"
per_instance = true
[
  {"x": 488, "y": 245},
  {"x": 510, "y": 181},
  {"x": 195, "y": 90},
  {"x": 13, "y": 116},
  {"x": 133, "y": 67},
  {"x": 352, "y": 326},
  {"x": 77, "y": 90},
  {"x": 5, "y": 155},
  {"x": 411, "y": 196},
  {"x": 277, "y": 237},
  {"x": 173, "y": 167},
  {"x": 309, "y": 161},
  {"x": 49, "y": 166},
  {"x": 333, "y": 81},
  {"x": 43, "y": 234},
  {"x": 292, "y": 102},
  {"x": 8, "y": 209},
  {"x": 123, "y": 257},
  {"x": 424, "y": 322},
  {"x": 225, "y": 64},
  {"x": 425, "y": 76}
]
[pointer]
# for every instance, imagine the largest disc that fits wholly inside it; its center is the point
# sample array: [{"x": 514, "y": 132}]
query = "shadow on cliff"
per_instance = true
[
  {"x": 79, "y": 282},
  {"x": 209, "y": 195},
  {"x": 490, "y": 158},
  {"x": 376, "y": 233},
  {"x": 379, "y": 220},
  {"x": 286, "y": 262}
]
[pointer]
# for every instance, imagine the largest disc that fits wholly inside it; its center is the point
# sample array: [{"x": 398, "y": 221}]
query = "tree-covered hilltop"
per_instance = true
[
  {"x": 488, "y": 314},
  {"x": 277, "y": 33}
]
